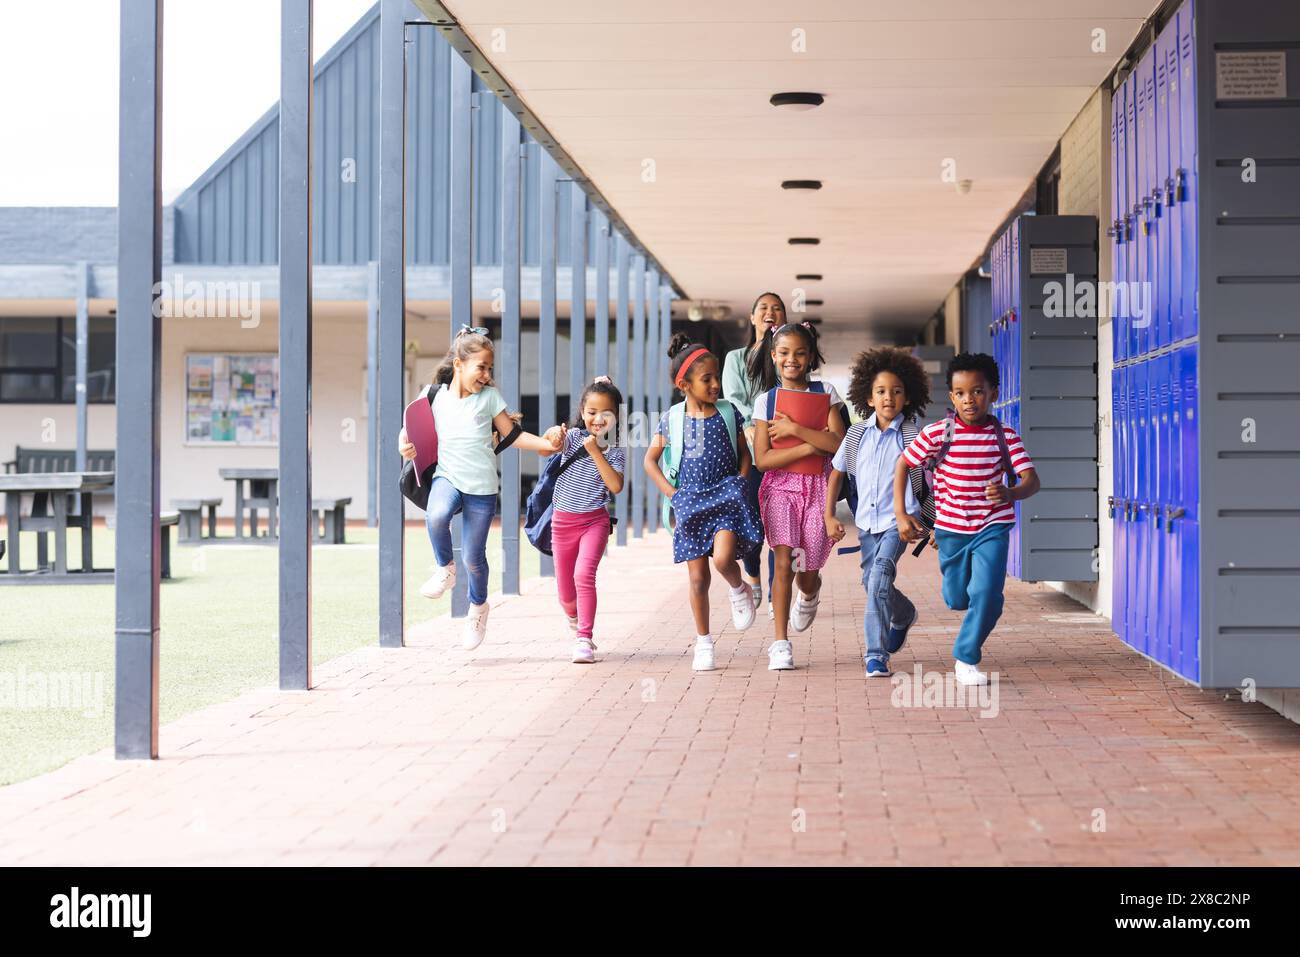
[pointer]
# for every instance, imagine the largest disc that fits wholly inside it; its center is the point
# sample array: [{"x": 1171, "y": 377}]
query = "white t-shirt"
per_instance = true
[
  {"x": 464, "y": 426},
  {"x": 760, "y": 401}
]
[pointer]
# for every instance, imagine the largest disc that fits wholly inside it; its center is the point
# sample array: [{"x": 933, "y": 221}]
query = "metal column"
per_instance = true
[
  {"x": 577, "y": 299},
  {"x": 392, "y": 313},
  {"x": 83, "y": 348},
  {"x": 638, "y": 379},
  {"x": 296, "y": 531},
  {"x": 508, "y": 368},
  {"x": 372, "y": 391},
  {"x": 634, "y": 473},
  {"x": 546, "y": 314},
  {"x": 602, "y": 295},
  {"x": 665, "y": 334},
  {"x": 139, "y": 365},
  {"x": 462, "y": 257},
  {"x": 654, "y": 348}
]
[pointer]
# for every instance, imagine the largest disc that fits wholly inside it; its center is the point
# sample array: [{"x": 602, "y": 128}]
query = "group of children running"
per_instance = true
[{"x": 724, "y": 458}]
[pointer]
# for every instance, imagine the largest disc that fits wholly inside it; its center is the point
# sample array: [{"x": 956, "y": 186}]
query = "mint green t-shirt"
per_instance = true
[{"x": 464, "y": 426}]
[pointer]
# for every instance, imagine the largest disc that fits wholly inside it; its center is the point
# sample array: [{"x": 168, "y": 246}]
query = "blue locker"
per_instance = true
[
  {"x": 1185, "y": 185},
  {"x": 1119, "y": 564},
  {"x": 1131, "y": 245},
  {"x": 1160, "y": 220},
  {"x": 1144, "y": 80},
  {"x": 1167, "y": 47},
  {"x": 1119, "y": 151},
  {"x": 1138, "y": 572},
  {"x": 1188, "y": 526},
  {"x": 1165, "y": 374}
]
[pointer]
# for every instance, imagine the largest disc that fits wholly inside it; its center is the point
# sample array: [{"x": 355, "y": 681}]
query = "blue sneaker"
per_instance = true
[
  {"x": 878, "y": 668},
  {"x": 896, "y": 637}
]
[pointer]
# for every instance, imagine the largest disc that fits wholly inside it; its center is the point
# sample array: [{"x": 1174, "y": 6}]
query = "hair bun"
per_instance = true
[{"x": 679, "y": 343}]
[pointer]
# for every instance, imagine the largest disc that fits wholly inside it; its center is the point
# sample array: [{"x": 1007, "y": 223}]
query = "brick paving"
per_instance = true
[{"x": 512, "y": 755}]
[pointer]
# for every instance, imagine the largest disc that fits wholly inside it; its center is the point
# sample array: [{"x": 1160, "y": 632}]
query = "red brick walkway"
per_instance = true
[{"x": 512, "y": 755}]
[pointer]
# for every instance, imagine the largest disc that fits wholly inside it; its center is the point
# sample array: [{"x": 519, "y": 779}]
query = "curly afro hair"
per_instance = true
[
  {"x": 980, "y": 362},
  {"x": 869, "y": 364}
]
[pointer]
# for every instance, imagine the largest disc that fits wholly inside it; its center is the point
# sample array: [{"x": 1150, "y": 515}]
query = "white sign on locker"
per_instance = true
[{"x": 1250, "y": 75}]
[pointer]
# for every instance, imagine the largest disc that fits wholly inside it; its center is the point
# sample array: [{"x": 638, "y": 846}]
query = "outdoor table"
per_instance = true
[
  {"x": 263, "y": 492},
  {"x": 55, "y": 488}
]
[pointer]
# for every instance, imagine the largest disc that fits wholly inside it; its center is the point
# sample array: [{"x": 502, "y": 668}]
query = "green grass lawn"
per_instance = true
[{"x": 219, "y": 619}]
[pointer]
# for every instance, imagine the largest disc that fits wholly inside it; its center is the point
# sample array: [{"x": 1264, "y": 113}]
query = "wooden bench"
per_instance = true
[
  {"x": 165, "y": 521},
  {"x": 29, "y": 460},
  {"x": 328, "y": 518},
  {"x": 191, "y": 511}
]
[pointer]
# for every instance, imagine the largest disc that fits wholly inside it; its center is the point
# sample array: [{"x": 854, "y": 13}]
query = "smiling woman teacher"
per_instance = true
[{"x": 768, "y": 312}]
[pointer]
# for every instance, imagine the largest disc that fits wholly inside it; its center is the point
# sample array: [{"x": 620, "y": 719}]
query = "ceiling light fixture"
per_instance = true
[
  {"x": 813, "y": 302},
  {"x": 801, "y": 184},
  {"x": 798, "y": 102},
  {"x": 804, "y": 241},
  {"x": 808, "y": 275}
]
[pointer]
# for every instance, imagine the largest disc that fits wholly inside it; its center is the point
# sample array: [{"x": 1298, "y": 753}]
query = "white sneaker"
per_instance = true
[
  {"x": 703, "y": 660},
  {"x": 584, "y": 652},
  {"x": 771, "y": 612},
  {"x": 742, "y": 608},
  {"x": 780, "y": 657},
  {"x": 573, "y": 625},
  {"x": 443, "y": 579},
  {"x": 803, "y": 611},
  {"x": 969, "y": 674},
  {"x": 757, "y": 591},
  {"x": 475, "y": 627}
]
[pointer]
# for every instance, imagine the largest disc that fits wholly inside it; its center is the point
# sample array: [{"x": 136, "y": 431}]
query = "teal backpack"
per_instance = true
[{"x": 670, "y": 461}]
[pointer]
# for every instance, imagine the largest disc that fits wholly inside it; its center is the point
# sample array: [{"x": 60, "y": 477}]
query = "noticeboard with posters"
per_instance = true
[{"x": 232, "y": 399}]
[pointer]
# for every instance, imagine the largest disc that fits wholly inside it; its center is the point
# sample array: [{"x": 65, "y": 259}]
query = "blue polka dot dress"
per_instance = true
[{"x": 710, "y": 490}]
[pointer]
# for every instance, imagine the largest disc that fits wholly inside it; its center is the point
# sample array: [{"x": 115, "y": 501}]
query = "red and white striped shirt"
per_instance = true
[{"x": 973, "y": 462}]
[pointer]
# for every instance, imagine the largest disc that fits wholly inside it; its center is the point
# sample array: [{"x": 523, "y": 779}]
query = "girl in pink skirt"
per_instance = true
[{"x": 792, "y": 503}]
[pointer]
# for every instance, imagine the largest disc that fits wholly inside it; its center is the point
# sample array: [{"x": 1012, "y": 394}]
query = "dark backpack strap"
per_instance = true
[
  {"x": 1012, "y": 478},
  {"x": 573, "y": 458},
  {"x": 949, "y": 432},
  {"x": 771, "y": 403},
  {"x": 509, "y": 440},
  {"x": 817, "y": 386},
  {"x": 920, "y": 491}
]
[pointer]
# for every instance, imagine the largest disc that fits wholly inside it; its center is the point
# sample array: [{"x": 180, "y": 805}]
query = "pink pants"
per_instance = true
[{"x": 578, "y": 542}]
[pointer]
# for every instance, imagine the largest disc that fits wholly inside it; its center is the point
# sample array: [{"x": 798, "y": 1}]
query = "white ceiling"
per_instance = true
[{"x": 685, "y": 83}]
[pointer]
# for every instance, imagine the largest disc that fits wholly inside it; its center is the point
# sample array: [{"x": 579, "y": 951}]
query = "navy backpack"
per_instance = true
[{"x": 538, "y": 511}]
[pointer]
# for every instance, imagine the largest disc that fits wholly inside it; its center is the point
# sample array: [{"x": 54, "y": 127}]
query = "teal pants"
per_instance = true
[{"x": 974, "y": 571}]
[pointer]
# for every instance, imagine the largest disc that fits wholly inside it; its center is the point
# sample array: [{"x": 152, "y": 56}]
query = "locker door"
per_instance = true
[
  {"x": 1119, "y": 563},
  {"x": 1190, "y": 522},
  {"x": 1167, "y": 46},
  {"x": 1118, "y": 203},
  {"x": 1173, "y": 538},
  {"x": 1186, "y": 186},
  {"x": 1162, "y": 570},
  {"x": 1144, "y": 76},
  {"x": 1160, "y": 222},
  {"x": 1138, "y": 571},
  {"x": 1131, "y": 231}
]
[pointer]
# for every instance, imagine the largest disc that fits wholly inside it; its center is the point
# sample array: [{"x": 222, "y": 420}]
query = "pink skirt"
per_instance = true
[{"x": 793, "y": 507}]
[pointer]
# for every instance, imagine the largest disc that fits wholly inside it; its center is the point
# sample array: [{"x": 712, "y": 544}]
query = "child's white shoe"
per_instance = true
[
  {"x": 742, "y": 607},
  {"x": 573, "y": 624},
  {"x": 703, "y": 660},
  {"x": 969, "y": 674},
  {"x": 803, "y": 610},
  {"x": 475, "y": 627},
  {"x": 440, "y": 581},
  {"x": 780, "y": 657},
  {"x": 584, "y": 652}
]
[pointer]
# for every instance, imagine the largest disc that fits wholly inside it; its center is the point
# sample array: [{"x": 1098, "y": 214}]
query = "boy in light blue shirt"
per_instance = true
[{"x": 890, "y": 388}]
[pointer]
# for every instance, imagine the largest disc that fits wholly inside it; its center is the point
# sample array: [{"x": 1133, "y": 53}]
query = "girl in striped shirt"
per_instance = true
[
  {"x": 580, "y": 522},
  {"x": 974, "y": 510}
]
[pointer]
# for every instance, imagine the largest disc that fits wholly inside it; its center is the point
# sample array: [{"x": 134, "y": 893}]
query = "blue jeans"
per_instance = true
[
  {"x": 886, "y": 605},
  {"x": 752, "y": 558},
  {"x": 445, "y": 500},
  {"x": 974, "y": 571}
]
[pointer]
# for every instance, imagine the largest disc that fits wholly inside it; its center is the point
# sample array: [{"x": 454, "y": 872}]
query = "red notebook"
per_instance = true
[
  {"x": 809, "y": 409},
  {"x": 418, "y": 422}
]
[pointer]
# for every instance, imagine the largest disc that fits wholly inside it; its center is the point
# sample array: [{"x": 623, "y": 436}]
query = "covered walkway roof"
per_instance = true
[{"x": 686, "y": 85}]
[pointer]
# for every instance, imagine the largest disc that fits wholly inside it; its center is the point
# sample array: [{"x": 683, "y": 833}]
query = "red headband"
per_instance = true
[{"x": 681, "y": 373}]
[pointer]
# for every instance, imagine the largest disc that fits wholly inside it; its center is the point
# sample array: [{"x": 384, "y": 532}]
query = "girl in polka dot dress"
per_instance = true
[
  {"x": 792, "y": 503},
  {"x": 713, "y": 517}
]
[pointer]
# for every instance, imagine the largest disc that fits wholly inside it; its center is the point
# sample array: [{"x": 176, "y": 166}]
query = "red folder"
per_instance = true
[
  {"x": 418, "y": 422},
  {"x": 809, "y": 409}
]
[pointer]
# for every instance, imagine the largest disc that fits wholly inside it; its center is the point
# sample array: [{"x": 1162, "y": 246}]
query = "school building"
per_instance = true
[{"x": 1104, "y": 195}]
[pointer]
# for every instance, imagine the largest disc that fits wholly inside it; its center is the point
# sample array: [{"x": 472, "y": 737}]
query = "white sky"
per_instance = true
[{"x": 58, "y": 89}]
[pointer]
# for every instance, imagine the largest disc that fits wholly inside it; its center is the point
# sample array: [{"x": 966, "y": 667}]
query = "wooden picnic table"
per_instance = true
[
  {"x": 53, "y": 489},
  {"x": 263, "y": 492}
]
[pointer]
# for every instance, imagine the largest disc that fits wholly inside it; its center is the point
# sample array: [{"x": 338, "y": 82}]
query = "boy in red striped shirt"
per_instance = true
[{"x": 974, "y": 510}]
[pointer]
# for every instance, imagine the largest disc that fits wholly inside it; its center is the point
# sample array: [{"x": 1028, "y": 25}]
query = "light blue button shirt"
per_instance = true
[{"x": 874, "y": 474}]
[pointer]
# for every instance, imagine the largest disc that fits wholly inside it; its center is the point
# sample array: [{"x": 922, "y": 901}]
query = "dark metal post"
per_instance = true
[
  {"x": 653, "y": 350},
  {"x": 634, "y": 473},
  {"x": 602, "y": 295},
  {"x": 638, "y": 390},
  {"x": 83, "y": 349},
  {"x": 577, "y": 298},
  {"x": 139, "y": 365},
  {"x": 392, "y": 314},
  {"x": 296, "y": 531},
  {"x": 462, "y": 257},
  {"x": 546, "y": 315},
  {"x": 372, "y": 391},
  {"x": 508, "y": 367}
]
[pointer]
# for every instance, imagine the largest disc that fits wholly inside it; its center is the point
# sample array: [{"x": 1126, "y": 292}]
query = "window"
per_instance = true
[{"x": 38, "y": 359}]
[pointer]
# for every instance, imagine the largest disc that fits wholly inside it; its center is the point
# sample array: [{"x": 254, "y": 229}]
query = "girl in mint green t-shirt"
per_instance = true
[{"x": 466, "y": 409}]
